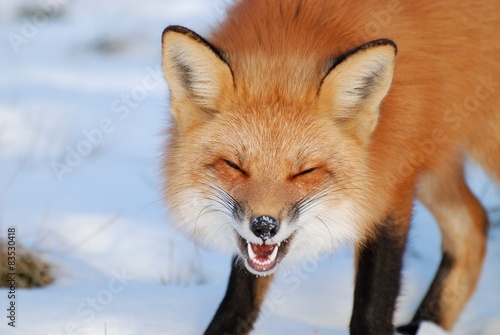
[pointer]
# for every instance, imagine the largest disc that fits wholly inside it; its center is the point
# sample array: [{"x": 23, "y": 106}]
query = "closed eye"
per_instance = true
[
  {"x": 235, "y": 166},
  {"x": 302, "y": 173}
]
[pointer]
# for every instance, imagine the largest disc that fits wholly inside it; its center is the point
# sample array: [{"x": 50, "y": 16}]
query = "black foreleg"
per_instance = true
[
  {"x": 241, "y": 305},
  {"x": 379, "y": 265}
]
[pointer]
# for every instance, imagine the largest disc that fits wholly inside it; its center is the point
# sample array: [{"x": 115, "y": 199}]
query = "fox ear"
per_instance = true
[
  {"x": 196, "y": 73},
  {"x": 355, "y": 85}
]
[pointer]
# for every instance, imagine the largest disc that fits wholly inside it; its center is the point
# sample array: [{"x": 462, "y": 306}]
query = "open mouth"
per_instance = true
[{"x": 263, "y": 258}]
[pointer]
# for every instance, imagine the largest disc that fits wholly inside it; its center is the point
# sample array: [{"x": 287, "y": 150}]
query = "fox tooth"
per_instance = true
[
  {"x": 251, "y": 254},
  {"x": 274, "y": 254}
]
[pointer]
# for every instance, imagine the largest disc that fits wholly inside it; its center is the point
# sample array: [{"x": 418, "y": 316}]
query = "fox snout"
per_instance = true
[{"x": 264, "y": 227}]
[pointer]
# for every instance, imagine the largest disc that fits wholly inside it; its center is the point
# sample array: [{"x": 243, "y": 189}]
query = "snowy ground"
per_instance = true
[{"x": 82, "y": 107}]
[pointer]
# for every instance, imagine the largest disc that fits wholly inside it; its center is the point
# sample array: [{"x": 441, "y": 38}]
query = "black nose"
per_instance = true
[{"x": 264, "y": 227}]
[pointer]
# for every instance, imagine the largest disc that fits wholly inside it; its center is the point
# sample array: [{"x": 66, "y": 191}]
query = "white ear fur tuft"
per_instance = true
[
  {"x": 356, "y": 84},
  {"x": 196, "y": 73}
]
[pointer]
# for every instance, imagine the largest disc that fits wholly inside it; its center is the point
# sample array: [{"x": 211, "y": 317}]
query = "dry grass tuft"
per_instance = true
[{"x": 31, "y": 270}]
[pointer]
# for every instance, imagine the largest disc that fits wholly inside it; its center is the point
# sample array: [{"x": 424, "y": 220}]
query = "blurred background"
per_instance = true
[{"x": 83, "y": 107}]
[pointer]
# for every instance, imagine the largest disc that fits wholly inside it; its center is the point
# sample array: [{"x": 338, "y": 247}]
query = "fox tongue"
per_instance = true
[{"x": 263, "y": 251}]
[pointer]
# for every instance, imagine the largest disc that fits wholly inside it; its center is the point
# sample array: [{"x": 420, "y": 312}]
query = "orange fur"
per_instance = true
[{"x": 446, "y": 50}]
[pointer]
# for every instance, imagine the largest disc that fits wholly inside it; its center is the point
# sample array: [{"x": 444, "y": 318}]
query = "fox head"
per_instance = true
[{"x": 267, "y": 155}]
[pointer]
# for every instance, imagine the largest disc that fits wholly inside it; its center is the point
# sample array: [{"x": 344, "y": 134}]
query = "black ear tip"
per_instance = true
[
  {"x": 177, "y": 29},
  {"x": 381, "y": 42},
  {"x": 393, "y": 44},
  {"x": 195, "y": 37}
]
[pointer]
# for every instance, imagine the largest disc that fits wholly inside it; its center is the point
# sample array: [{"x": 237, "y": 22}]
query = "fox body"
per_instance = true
[{"x": 299, "y": 126}]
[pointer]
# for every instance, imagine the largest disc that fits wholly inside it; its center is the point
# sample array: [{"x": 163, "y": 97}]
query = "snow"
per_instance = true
[{"x": 82, "y": 109}]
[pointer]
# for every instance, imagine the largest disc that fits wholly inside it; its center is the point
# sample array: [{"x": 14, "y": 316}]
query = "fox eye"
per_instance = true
[
  {"x": 304, "y": 172},
  {"x": 235, "y": 166}
]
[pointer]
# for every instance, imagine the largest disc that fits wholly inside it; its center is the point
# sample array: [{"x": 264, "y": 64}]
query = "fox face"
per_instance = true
[{"x": 262, "y": 172}]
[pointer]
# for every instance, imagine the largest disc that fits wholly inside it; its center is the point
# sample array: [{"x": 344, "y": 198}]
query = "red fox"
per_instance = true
[{"x": 299, "y": 126}]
